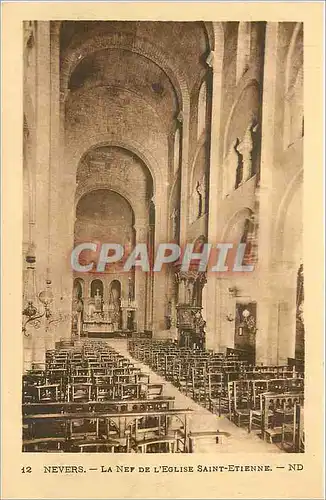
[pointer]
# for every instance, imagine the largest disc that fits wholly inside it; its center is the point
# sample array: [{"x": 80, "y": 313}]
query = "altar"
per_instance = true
[
  {"x": 98, "y": 325},
  {"x": 95, "y": 318}
]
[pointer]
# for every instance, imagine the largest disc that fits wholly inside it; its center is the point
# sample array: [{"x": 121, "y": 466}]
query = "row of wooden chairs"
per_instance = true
[
  {"x": 88, "y": 410},
  {"x": 195, "y": 372},
  {"x": 232, "y": 387}
]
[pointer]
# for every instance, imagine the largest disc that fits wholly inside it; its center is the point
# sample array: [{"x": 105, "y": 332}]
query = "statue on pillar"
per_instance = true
[
  {"x": 230, "y": 169},
  {"x": 202, "y": 194},
  {"x": 98, "y": 301},
  {"x": 245, "y": 149}
]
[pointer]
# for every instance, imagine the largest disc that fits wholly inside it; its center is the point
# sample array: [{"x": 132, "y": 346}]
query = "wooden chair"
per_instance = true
[
  {"x": 93, "y": 446},
  {"x": 45, "y": 392},
  {"x": 158, "y": 445},
  {"x": 152, "y": 391},
  {"x": 49, "y": 445},
  {"x": 81, "y": 392},
  {"x": 241, "y": 401},
  {"x": 215, "y": 381},
  {"x": 282, "y": 407},
  {"x": 104, "y": 392},
  {"x": 83, "y": 428},
  {"x": 199, "y": 384},
  {"x": 258, "y": 387},
  {"x": 225, "y": 400}
]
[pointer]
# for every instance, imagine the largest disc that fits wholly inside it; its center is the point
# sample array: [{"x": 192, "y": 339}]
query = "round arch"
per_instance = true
[
  {"x": 73, "y": 57},
  {"x": 278, "y": 234},
  {"x": 199, "y": 240},
  {"x": 80, "y": 91},
  {"x": 236, "y": 218},
  {"x": 96, "y": 284},
  {"x": 251, "y": 83},
  {"x": 134, "y": 147},
  {"x": 95, "y": 187},
  {"x": 79, "y": 285}
]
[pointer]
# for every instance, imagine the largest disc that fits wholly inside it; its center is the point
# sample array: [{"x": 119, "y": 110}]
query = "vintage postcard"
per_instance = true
[{"x": 162, "y": 250}]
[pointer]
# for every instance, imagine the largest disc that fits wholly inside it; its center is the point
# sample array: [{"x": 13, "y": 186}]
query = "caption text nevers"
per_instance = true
[{"x": 71, "y": 469}]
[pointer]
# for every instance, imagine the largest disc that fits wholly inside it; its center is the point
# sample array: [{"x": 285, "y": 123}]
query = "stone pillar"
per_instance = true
[
  {"x": 28, "y": 353},
  {"x": 215, "y": 60},
  {"x": 161, "y": 232},
  {"x": 61, "y": 201},
  {"x": 182, "y": 290},
  {"x": 140, "y": 279},
  {"x": 226, "y": 314},
  {"x": 42, "y": 184},
  {"x": 149, "y": 284},
  {"x": 124, "y": 319},
  {"x": 50, "y": 337},
  {"x": 184, "y": 119},
  {"x": 266, "y": 338}
]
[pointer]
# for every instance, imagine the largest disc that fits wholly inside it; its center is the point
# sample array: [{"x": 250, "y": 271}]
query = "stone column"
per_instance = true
[
  {"x": 42, "y": 168},
  {"x": 54, "y": 175},
  {"x": 182, "y": 288},
  {"x": 215, "y": 60},
  {"x": 184, "y": 119},
  {"x": 161, "y": 232},
  {"x": 266, "y": 338},
  {"x": 124, "y": 319},
  {"x": 141, "y": 278},
  {"x": 28, "y": 353},
  {"x": 149, "y": 283}
]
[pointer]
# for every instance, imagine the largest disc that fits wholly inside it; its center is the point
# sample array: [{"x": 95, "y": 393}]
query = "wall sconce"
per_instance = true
[
  {"x": 230, "y": 317},
  {"x": 245, "y": 314},
  {"x": 234, "y": 291},
  {"x": 31, "y": 311},
  {"x": 249, "y": 321}
]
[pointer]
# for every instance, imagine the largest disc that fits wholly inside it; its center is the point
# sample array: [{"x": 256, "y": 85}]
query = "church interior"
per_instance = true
[{"x": 155, "y": 132}]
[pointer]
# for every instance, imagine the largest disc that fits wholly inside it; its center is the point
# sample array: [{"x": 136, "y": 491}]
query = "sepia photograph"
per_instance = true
[
  {"x": 163, "y": 272},
  {"x": 162, "y": 250}
]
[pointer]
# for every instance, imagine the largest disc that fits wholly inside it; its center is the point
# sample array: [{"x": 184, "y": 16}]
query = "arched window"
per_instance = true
[
  {"x": 176, "y": 156},
  {"x": 293, "y": 111},
  {"x": 202, "y": 102},
  {"x": 78, "y": 288},
  {"x": 243, "y": 49},
  {"x": 249, "y": 237},
  {"x": 115, "y": 292},
  {"x": 96, "y": 288}
]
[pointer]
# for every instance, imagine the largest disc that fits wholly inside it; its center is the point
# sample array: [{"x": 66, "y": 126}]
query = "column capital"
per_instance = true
[{"x": 141, "y": 232}]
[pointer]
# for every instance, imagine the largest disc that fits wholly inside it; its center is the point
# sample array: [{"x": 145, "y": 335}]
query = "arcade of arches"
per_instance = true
[{"x": 155, "y": 132}]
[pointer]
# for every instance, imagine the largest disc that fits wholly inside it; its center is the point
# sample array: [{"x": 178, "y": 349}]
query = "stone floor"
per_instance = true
[{"x": 235, "y": 439}]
